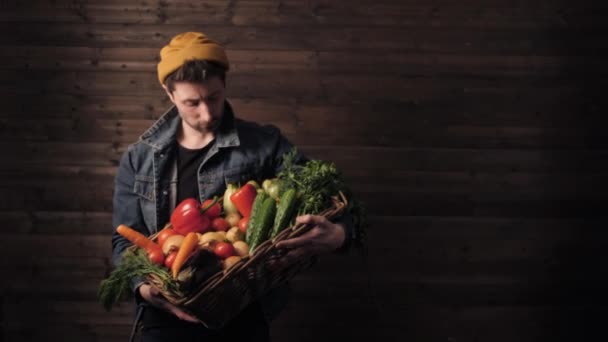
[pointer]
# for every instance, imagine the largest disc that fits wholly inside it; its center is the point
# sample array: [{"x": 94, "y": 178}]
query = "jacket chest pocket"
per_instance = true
[
  {"x": 144, "y": 187},
  {"x": 241, "y": 174}
]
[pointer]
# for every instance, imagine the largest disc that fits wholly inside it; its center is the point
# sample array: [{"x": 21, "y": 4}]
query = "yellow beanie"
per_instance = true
[{"x": 186, "y": 46}]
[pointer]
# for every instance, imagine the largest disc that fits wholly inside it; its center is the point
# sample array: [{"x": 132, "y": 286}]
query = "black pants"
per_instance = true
[{"x": 250, "y": 325}]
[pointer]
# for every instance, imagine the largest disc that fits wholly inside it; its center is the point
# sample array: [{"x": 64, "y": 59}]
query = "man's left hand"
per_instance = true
[{"x": 323, "y": 237}]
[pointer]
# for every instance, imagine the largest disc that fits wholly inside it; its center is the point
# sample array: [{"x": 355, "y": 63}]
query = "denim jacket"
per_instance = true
[{"x": 146, "y": 181}]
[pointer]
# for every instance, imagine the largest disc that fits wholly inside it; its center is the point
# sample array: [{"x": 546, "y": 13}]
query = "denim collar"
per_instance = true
[{"x": 163, "y": 132}]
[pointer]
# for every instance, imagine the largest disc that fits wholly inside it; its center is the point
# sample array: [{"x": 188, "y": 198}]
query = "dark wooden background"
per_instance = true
[{"x": 474, "y": 130}]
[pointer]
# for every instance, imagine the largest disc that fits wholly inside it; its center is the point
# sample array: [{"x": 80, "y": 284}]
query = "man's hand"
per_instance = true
[
  {"x": 153, "y": 296},
  {"x": 324, "y": 237}
]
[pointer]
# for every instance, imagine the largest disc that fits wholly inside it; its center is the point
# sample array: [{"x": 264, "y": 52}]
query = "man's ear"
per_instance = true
[{"x": 168, "y": 93}]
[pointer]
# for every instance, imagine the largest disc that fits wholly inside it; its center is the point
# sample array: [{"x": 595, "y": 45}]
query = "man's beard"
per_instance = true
[{"x": 206, "y": 127}]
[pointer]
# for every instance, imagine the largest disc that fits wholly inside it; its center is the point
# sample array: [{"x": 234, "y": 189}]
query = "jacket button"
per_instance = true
[
  {"x": 165, "y": 192},
  {"x": 162, "y": 155}
]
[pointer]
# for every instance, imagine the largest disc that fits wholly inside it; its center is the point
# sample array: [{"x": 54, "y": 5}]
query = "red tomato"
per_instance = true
[
  {"x": 170, "y": 259},
  {"x": 214, "y": 211},
  {"x": 156, "y": 256},
  {"x": 223, "y": 249},
  {"x": 243, "y": 224},
  {"x": 219, "y": 224},
  {"x": 163, "y": 235}
]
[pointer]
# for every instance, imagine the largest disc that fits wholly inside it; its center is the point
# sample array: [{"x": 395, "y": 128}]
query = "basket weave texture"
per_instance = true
[{"x": 225, "y": 294}]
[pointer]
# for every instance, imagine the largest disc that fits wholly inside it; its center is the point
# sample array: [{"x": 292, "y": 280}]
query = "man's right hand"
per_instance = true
[{"x": 152, "y": 295}]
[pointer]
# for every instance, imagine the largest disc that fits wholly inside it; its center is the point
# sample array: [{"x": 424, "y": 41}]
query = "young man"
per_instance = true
[{"x": 195, "y": 149}]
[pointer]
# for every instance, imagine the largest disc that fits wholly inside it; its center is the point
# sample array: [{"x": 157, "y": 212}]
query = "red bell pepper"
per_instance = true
[
  {"x": 243, "y": 199},
  {"x": 188, "y": 217}
]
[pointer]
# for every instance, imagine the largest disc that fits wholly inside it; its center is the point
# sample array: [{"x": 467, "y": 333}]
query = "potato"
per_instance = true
[
  {"x": 233, "y": 219},
  {"x": 241, "y": 248},
  {"x": 230, "y": 261},
  {"x": 234, "y": 234},
  {"x": 206, "y": 238}
]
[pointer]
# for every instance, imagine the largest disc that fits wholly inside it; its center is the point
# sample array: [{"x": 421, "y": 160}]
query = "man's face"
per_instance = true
[{"x": 200, "y": 105}]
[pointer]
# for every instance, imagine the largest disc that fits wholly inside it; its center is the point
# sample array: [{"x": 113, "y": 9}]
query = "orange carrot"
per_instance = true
[
  {"x": 136, "y": 237},
  {"x": 188, "y": 246}
]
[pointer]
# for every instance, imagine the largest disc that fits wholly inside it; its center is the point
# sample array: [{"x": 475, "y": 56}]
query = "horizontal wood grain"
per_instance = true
[
  {"x": 58, "y": 222},
  {"x": 293, "y": 13},
  {"x": 143, "y": 59},
  {"x": 476, "y": 160},
  {"x": 135, "y": 84},
  {"x": 512, "y": 108},
  {"x": 436, "y": 39},
  {"x": 438, "y": 64},
  {"x": 425, "y": 203},
  {"x": 472, "y": 132},
  {"x": 365, "y": 179},
  {"x": 373, "y": 158},
  {"x": 306, "y": 128},
  {"x": 544, "y": 243},
  {"x": 87, "y": 246}
]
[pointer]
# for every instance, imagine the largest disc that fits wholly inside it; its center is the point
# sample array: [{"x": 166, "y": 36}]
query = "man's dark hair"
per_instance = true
[{"x": 195, "y": 71}]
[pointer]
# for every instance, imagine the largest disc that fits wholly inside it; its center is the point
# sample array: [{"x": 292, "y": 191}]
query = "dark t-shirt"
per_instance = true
[{"x": 188, "y": 162}]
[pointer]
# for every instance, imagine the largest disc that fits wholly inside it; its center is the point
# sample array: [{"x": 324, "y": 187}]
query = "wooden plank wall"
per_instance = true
[{"x": 474, "y": 131}]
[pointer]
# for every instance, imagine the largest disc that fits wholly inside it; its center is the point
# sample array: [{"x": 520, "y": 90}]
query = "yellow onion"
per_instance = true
[{"x": 172, "y": 243}]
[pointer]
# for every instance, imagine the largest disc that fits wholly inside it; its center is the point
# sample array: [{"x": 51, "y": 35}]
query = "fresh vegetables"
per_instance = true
[
  {"x": 157, "y": 256},
  {"x": 243, "y": 223},
  {"x": 257, "y": 206},
  {"x": 243, "y": 199},
  {"x": 170, "y": 259},
  {"x": 223, "y": 249},
  {"x": 212, "y": 208},
  {"x": 220, "y": 224},
  {"x": 133, "y": 264},
  {"x": 199, "y": 266},
  {"x": 266, "y": 184},
  {"x": 207, "y": 238},
  {"x": 241, "y": 248},
  {"x": 229, "y": 208},
  {"x": 263, "y": 223},
  {"x": 188, "y": 217},
  {"x": 154, "y": 251},
  {"x": 271, "y": 186},
  {"x": 172, "y": 243},
  {"x": 233, "y": 219},
  {"x": 214, "y": 233},
  {"x": 285, "y": 211},
  {"x": 231, "y": 261},
  {"x": 234, "y": 234},
  {"x": 164, "y": 234},
  {"x": 136, "y": 237},
  {"x": 316, "y": 181},
  {"x": 254, "y": 183},
  {"x": 188, "y": 246}
]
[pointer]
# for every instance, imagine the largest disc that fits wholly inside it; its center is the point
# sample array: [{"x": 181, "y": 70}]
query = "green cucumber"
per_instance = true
[
  {"x": 255, "y": 215},
  {"x": 264, "y": 224},
  {"x": 285, "y": 211}
]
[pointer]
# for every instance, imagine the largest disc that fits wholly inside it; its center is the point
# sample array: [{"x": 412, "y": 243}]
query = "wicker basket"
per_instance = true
[{"x": 225, "y": 294}]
